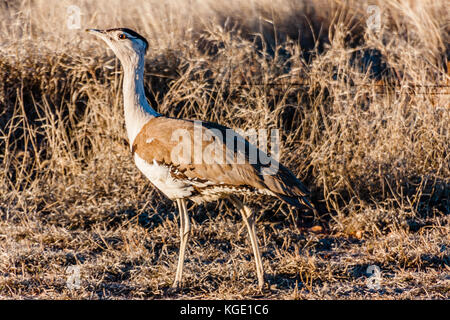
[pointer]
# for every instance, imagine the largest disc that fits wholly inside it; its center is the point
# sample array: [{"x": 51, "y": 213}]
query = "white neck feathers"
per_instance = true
[{"x": 136, "y": 108}]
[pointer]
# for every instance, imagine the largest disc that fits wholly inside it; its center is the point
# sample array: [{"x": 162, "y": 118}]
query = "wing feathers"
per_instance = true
[{"x": 172, "y": 142}]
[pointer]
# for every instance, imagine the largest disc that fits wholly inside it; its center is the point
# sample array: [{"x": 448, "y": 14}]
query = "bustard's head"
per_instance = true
[{"x": 127, "y": 44}]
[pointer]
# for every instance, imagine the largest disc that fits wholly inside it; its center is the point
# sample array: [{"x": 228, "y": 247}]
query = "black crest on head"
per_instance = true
[{"x": 133, "y": 34}]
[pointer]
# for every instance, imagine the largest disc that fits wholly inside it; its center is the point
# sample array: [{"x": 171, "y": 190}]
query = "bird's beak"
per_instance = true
[
  {"x": 97, "y": 32},
  {"x": 94, "y": 31}
]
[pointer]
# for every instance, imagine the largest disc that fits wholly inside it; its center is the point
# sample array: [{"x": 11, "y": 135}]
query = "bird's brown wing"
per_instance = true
[{"x": 208, "y": 152}]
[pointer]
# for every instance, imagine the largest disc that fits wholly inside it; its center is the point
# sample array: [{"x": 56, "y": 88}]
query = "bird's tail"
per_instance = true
[{"x": 299, "y": 202}]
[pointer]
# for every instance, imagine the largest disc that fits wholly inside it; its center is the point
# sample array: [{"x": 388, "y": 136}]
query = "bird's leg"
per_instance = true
[
  {"x": 185, "y": 228},
  {"x": 249, "y": 221}
]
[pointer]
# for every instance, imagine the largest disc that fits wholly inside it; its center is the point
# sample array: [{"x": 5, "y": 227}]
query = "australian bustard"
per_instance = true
[{"x": 181, "y": 174}]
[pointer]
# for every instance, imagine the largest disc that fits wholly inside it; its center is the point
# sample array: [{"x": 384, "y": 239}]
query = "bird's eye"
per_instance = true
[{"x": 122, "y": 36}]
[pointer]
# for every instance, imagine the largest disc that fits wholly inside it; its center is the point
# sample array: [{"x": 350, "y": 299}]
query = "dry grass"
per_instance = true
[{"x": 364, "y": 120}]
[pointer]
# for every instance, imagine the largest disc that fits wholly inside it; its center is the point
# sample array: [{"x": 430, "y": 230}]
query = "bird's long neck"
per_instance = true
[{"x": 136, "y": 108}]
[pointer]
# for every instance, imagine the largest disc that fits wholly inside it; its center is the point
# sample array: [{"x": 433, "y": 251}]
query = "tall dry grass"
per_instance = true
[{"x": 364, "y": 115}]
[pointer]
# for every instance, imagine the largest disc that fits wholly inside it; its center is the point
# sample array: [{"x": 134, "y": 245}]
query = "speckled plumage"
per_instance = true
[{"x": 154, "y": 145}]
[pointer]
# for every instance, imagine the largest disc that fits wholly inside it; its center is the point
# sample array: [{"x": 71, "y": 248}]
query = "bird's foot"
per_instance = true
[
  {"x": 262, "y": 286},
  {"x": 175, "y": 288}
]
